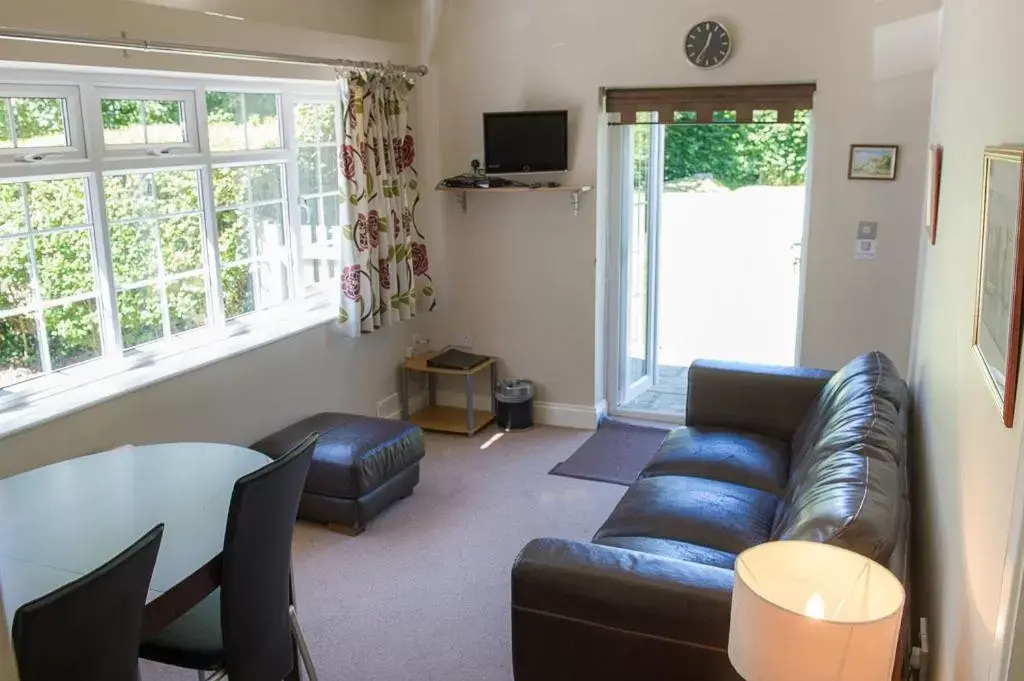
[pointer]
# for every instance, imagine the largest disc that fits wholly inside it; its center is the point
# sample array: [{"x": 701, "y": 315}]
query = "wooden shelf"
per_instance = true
[
  {"x": 515, "y": 190},
  {"x": 451, "y": 420},
  {"x": 574, "y": 192},
  {"x": 419, "y": 363}
]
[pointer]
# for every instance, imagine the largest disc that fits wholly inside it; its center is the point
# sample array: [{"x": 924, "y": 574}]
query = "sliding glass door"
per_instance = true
[{"x": 640, "y": 174}]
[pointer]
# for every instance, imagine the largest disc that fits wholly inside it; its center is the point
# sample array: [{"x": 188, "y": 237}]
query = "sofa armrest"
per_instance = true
[
  {"x": 625, "y": 590},
  {"x": 767, "y": 400}
]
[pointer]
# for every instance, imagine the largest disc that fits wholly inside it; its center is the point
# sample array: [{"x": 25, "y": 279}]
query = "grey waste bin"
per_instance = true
[{"x": 514, "y": 401}]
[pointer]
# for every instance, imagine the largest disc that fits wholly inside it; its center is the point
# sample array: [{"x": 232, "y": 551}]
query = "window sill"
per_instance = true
[{"x": 272, "y": 327}]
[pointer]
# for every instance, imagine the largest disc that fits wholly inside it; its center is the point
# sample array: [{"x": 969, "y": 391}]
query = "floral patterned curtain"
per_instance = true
[{"x": 385, "y": 268}]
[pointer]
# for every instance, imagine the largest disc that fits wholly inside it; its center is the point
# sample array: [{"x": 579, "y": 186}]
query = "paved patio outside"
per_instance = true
[{"x": 666, "y": 396}]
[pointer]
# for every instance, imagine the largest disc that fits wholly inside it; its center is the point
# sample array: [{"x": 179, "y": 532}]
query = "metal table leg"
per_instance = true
[
  {"x": 470, "y": 414},
  {"x": 403, "y": 390},
  {"x": 494, "y": 388}
]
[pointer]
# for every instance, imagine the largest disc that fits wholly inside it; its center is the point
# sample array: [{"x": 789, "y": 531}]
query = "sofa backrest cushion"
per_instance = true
[{"x": 847, "y": 474}]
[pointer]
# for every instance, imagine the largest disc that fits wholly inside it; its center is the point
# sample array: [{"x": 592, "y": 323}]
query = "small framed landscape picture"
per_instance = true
[
  {"x": 934, "y": 190},
  {"x": 873, "y": 162},
  {"x": 997, "y": 311}
]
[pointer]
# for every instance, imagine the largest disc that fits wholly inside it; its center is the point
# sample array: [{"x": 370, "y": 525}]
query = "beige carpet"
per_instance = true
[{"x": 423, "y": 594}]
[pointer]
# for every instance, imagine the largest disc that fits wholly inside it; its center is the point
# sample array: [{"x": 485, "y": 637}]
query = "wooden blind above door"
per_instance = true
[{"x": 700, "y": 104}]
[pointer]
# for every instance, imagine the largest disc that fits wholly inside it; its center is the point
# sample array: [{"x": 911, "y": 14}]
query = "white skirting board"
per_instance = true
[{"x": 576, "y": 416}]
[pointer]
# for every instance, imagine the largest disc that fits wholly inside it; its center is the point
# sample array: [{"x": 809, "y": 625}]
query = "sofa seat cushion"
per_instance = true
[
  {"x": 679, "y": 550},
  {"x": 744, "y": 459},
  {"x": 354, "y": 455},
  {"x": 712, "y": 513}
]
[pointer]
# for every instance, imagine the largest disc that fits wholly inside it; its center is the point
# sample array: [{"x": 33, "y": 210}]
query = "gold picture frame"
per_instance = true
[{"x": 1000, "y": 286}]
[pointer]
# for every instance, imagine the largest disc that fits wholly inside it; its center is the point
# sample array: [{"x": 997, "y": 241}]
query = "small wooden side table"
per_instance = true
[{"x": 468, "y": 421}]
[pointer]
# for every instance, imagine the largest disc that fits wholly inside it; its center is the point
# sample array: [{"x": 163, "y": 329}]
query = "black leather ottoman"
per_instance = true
[{"x": 360, "y": 466}]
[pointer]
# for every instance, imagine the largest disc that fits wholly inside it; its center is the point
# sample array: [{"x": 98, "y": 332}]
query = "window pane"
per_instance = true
[
  {"x": 272, "y": 279},
  {"x": 139, "y": 313},
  {"x": 181, "y": 240},
  {"x": 176, "y": 191},
  {"x": 332, "y": 214},
  {"x": 329, "y": 169},
  {"x": 225, "y": 118},
  {"x": 230, "y": 186},
  {"x": 5, "y": 129},
  {"x": 240, "y": 121},
  {"x": 74, "y": 333},
  {"x": 266, "y": 182},
  {"x": 133, "y": 252},
  {"x": 309, "y": 183},
  {"x": 128, "y": 196},
  {"x": 12, "y": 209},
  {"x": 234, "y": 232},
  {"x": 315, "y": 123},
  {"x": 122, "y": 121},
  {"x": 309, "y": 209},
  {"x": 15, "y": 274},
  {"x": 64, "y": 264},
  {"x": 57, "y": 203},
  {"x": 238, "y": 291},
  {"x": 39, "y": 122},
  {"x": 187, "y": 302},
  {"x": 269, "y": 226},
  {"x": 164, "y": 121},
  {"x": 262, "y": 126},
  {"x": 19, "y": 349}
]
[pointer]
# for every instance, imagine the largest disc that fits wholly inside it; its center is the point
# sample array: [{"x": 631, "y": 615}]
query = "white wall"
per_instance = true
[
  {"x": 969, "y": 463},
  {"x": 521, "y": 269},
  {"x": 276, "y": 27},
  {"x": 246, "y": 397}
]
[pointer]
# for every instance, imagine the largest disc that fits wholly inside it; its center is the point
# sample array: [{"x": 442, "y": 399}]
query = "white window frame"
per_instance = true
[
  {"x": 190, "y": 125},
  {"x": 72, "y": 123},
  {"x": 84, "y": 88}
]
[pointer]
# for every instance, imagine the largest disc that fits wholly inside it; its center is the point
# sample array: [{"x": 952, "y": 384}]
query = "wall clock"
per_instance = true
[{"x": 708, "y": 44}]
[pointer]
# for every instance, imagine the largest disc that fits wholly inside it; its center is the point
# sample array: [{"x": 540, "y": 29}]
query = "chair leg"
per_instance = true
[
  {"x": 202, "y": 676},
  {"x": 307, "y": 661}
]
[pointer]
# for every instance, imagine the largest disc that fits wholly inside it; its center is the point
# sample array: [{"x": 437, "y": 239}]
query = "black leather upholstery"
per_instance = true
[
  {"x": 768, "y": 453},
  {"x": 745, "y": 459},
  {"x": 89, "y": 629},
  {"x": 848, "y": 462},
  {"x": 670, "y": 548},
  {"x": 244, "y": 626},
  {"x": 360, "y": 467},
  {"x": 719, "y": 515}
]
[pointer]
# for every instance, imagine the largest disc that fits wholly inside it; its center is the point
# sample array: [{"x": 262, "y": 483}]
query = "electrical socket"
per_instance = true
[{"x": 464, "y": 341}]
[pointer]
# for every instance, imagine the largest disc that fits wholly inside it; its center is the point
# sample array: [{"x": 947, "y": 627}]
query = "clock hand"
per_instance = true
[{"x": 706, "y": 46}]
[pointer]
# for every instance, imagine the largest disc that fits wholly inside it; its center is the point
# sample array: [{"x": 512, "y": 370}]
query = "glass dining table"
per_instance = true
[{"x": 59, "y": 522}]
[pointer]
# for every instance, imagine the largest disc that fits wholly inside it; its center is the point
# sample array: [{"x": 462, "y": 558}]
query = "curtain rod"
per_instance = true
[{"x": 127, "y": 44}]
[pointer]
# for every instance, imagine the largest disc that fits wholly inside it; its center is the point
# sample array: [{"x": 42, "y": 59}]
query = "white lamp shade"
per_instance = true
[{"x": 804, "y": 611}]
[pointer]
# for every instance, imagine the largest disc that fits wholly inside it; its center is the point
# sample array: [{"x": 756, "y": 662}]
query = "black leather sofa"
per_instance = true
[{"x": 767, "y": 454}]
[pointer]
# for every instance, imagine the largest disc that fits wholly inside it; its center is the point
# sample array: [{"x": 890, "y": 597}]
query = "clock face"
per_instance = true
[{"x": 708, "y": 44}]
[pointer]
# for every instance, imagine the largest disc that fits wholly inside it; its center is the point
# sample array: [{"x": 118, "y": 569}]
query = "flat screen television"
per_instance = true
[{"x": 526, "y": 142}]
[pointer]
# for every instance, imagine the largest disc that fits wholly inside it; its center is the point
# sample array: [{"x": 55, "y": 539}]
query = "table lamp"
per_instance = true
[{"x": 805, "y": 611}]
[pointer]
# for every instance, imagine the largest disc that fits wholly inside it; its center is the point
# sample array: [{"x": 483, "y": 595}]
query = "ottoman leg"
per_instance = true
[{"x": 350, "y": 530}]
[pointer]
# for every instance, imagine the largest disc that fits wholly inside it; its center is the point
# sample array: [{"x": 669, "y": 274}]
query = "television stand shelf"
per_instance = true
[{"x": 574, "y": 193}]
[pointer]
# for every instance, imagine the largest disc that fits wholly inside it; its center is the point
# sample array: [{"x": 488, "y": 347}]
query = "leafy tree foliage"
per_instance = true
[
  {"x": 736, "y": 155},
  {"x": 148, "y": 234}
]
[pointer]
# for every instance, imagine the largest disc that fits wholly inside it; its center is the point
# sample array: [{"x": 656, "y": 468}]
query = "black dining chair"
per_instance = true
[
  {"x": 89, "y": 629},
  {"x": 244, "y": 629}
]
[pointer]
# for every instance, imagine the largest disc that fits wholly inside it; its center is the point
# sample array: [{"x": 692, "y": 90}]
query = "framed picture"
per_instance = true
[
  {"x": 873, "y": 161},
  {"x": 934, "y": 190},
  {"x": 997, "y": 313}
]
